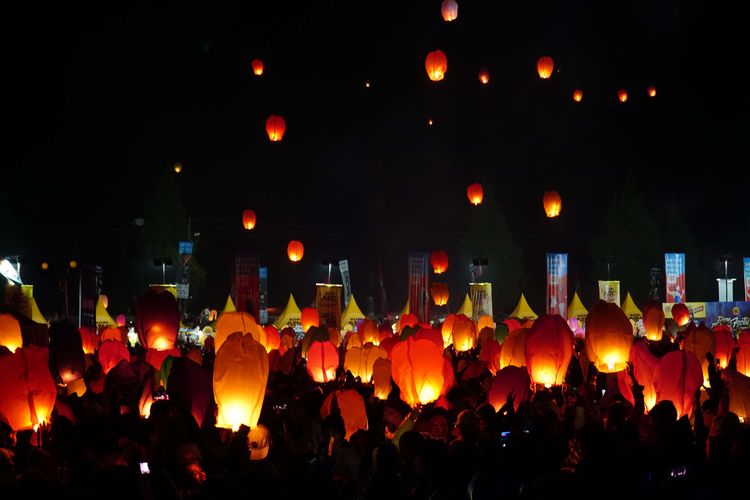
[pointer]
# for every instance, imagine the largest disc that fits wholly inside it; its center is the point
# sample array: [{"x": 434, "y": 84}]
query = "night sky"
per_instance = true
[{"x": 102, "y": 99}]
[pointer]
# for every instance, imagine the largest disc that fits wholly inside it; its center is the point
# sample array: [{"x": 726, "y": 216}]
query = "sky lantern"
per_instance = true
[
  {"x": 295, "y": 250},
  {"x": 436, "y": 65},
  {"x": 510, "y": 379},
  {"x": 322, "y": 361},
  {"x": 273, "y": 340},
  {"x": 464, "y": 333},
  {"x": 485, "y": 322},
  {"x": 544, "y": 67},
  {"x": 30, "y": 399},
  {"x": 490, "y": 354},
  {"x": 381, "y": 378},
  {"x": 351, "y": 406},
  {"x": 110, "y": 353},
  {"x": 552, "y": 203},
  {"x": 275, "y": 127},
  {"x": 513, "y": 349},
  {"x": 578, "y": 95},
  {"x": 609, "y": 336},
  {"x": 369, "y": 331},
  {"x": 439, "y": 261},
  {"x": 309, "y": 317},
  {"x": 407, "y": 320},
  {"x": 248, "y": 219},
  {"x": 89, "y": 340},
  {"x": 440, "y": 293},
  {"x": 120, "y": 320},
  {"x": 652, "y": 91},
  {"x": 449, "y": 10},
  {"x": 622, "y": 95},
  {"x": 10, "y": 332},
  {"x": 724, "y": 342},
  {"x": 484, "y": 76},
  {"x": 177, "y": 169},
  {"x": 644, "y": 369},
  {"x": 475, "y": 193},
  {"x": 653, "y": 320},
  {"x": 548, "y": 349},
  {"x": 236, "y": 321},
  {"x": 257, "y": 65},
  {"x": 417, "y": 369},
  {"x": 700, "y": 341},
  {"x": 446, "y": 330},
  {"x": 239, "y": 381},
  {"x": 681, "y": 314},
  {"x": 360, "y": 360},
  {"x": 157, "y": 319},
  {"x": 111, "y": 333},
  {"x": 677, "y": 378}
]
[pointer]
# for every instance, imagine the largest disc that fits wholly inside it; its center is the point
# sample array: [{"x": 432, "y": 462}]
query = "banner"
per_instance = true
[
  {"x": 609, "y": 291},
  {"x": 246, "y": 283},
  {"x": 344, "y": 268},
  {"x": 557, "y": 283},
  {"x": 183, "y": 270},
  {"x": 481, "y": 300},
  {"x": 263, "y": 315},
  {"x": 697, "y": 309},
  {"x": 328, "y": 303},
  {"x": 734, "y": 314},
  {"x": 90, "y": 285},
  {"x": 746, "y": 266},
  {"x": 674, "y": 269},
  {"x": 419, "y": 285}
]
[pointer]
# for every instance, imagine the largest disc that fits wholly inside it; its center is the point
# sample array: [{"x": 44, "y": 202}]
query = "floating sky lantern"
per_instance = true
[
  {"x": 449, "y": 10},
  {"x": 681, "y": 314},
  {"x": 475, "y": 193},
  {"x": 578, "y": 95},
  {"x": 248, "y": 219},
  {"x": 653, "y": 320},
  {"x": 257, "y": 65},
  {"x": 622, "y": 95},
  {"x": 295, "y": 250},
  {"x": 439, "y": 261},
  {"x": 275, "y": 127},
  {"x": 309, "y": 317},
  {"x": 544, "y": 67},
  {"x": 440, "y": 293},
  {"x": 464, "y": 333},
  {"x": 484, "y": 76},
  {"x": 552, "y": 203},
  {"x": 652, "y": 91},
  {"x": 436, "y": 64},
  {"x": 548, "y": 349}
]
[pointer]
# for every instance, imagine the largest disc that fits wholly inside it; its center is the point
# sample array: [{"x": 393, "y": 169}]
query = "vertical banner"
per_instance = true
[
  {"x": 746, "y": 267},
  {"x": 609, "y": 291},
  {"x": 183, "y": 271},
  {"x": 383, "y": 297},
  {"x": 246, "y": 283},
  {"x": 90, "y": 285},
  {"x": 480, "y": 295},
  {"x": 557, "y": 283},
  {"x": 344, "y": 268},
  {"x": 328, "y": 303},
  {"x": 674, "y": 269},
  {"x": 263, "y": 315},
  {"x": 419, "y": 285}
]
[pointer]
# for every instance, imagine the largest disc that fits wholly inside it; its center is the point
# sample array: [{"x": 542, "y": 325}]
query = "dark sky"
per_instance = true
[{"x": 102, "y": 97}]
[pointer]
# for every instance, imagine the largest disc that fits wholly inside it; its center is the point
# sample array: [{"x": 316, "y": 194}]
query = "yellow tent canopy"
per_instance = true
[
  {"x": 405, "y": 310},
  {"x": 31, "y": 310},
  {"x": 352, "y": 313},
  {"x": 630, "y": 309},
  {"x": 103, "y": 317},
  {"x": 576, "y": 309},
  {"x": 229, "y": 306},
  {"x": 523, "y": 310},
  {"x": 466, "y": 308},
  {"x": 290, "y": 315}
]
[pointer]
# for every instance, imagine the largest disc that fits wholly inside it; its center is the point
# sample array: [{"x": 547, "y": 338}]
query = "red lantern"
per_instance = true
[
  {"x": 449, "y": 10},
  {"x": 436, "y": 65},
  {"x": 549, "y": 348},
  {"x": 417, "y": 369},
  {"x": 743, "y": 359},
  {"x": 490, "y": 354},
  {"x": 464, "y": 333},
  {"x": 680, "y": 314},
  {"x": 677, "y": 378},
  {"x": 29, "y": 400},
  {"x": 544, "y": 67},
  {"x": 552, "y": 203},
  {"x": 484, "y": 76},
  {"x": 440, "y": 293},
  {"x": 295, "y": 250},
  {"x": 578, "y": 95},
  {"x": 248, "y": 219},
  {"x": 644, "y": 369},
  {"x": 351, "y": 407},
  {"x": 275, "y": 127},
  {"x": 309, "y": 317},
  {"x": 724, "y": 344},
  {"x": 653, "y": 320},
  {"x": 407, "y": 320},
  {"x": 652, "y": 91},
  {"x": 439, "y": 261},
  {"x": 89, "y": 340},
  {"x": 322, "y": 361},
  {"x": 273, "y": 340},
  {"x": 10, "y": 332},
  {"x": 475, "y": 193},
  {"x": 257, "y": 67},
  {"x": 111, "y": 353},
  {"x": 622, "y": 95},
  {"x": 509, "y": 379}
]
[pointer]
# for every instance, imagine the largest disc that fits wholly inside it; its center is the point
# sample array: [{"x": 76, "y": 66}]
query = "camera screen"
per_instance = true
[{"x": 144, "y": 468}]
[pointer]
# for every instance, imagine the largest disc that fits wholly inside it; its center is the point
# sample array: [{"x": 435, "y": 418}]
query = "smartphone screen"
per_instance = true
[{"x": 144, "y": 468}]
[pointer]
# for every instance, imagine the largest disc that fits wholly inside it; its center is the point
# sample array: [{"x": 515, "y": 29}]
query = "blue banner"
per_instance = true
[
  {"x": 747, "y": 278},
  {"x": 734, "y": 314},
  {"x": 674, "y": 269}
]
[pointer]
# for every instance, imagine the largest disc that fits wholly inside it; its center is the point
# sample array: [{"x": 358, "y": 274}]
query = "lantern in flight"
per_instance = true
[
  {"x": 652, "y": 91},
  {"x": 449, "y": 10},
  {"x": 484, "y": 76},
  {"x": 440, "y": 293},
  {"x": 552, "y": 203},
  {"x": 439, "y": 261},
  {"x": 578, "y": 95},
  {"x": 248, "y": 219},
  {"x": 295, "y": 250},
  {"x": 653, "y": 320},
  {"x": 681, "y": 314},
  {"x": 622, "y": 95},
  {"x": 475, "y": 193},
  {"x": 548, "y": 349},
  {"x": 309, "y": 317},
  {"x": 275, "y": 127},
  {"x": 544, "y": 67},
  {"x": 436, "y": 65},
  {"x": 257, "y": 67}
]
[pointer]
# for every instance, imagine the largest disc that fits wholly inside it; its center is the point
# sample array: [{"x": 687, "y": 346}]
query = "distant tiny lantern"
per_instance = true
[
  {"x": 429, "y": 122},
  {"x": 295, "y": 250},
  {"x": 275, "y": 127},
  {"x": 622, "y": 95},
  {"x": 578, "y": 95},
  {"x": 73, "y": 264},
  {"x": 367, "y": 85},
  {"x": 439, "y": 261},
  {"x": 449, "y": 10},
  {"x": 552, "y": 203},
  {"x": 45, "y": 266},
  {"x": 484, "y": 76},
  {"x": 436, "y": 64},
  {"x": 652, "y": 91},
  {"x": 475, "y": 193},
  {"x": 257, "y": 67},
  {"x": 177, "y": 168},
  {"x": 544, "y": 66},
  {"x": 680, "y": 314},
  {"x": 248, "y": 219}
]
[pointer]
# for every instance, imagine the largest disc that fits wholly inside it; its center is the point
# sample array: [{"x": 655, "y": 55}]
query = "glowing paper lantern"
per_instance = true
[
  {"x": 89, "y": 340},
  {"x": 440, "y": 293},
  {"x": 430, "y": 334},
  {"x": 681, "y": 314},
  {"x": 700, "y": 341},
  {"x": 439, "y": 261},
  {"x": 490, "y": 354},
  {"x": 644, "y": 369},
  {"x": 552, "y": 203},
  {"x": 257, "y": 67},
  {"x": 273, "y": 340},
  {"x": 544, "y": 67},
  {"x": 485, "y": 322},
  {"x": 237, "y": 321},
  {"x": 417, "y": 369},
  {"x": 436, "y": 65},
  {"x": 360, "y": 361},
  {"x": 652, "y": 91},
  {"x": 475, "y": 193},
  {"x": 369, "y": 332},
  {"x": 549, "y": 347},
  {"x": 110, "y": 353},
  {"x": 446, "y": 330},
  {"x": 65, "y": 352},
  {"x": 10, "y": 332},
  {"x": 295, "y": 250},
  {"x": 322, "y": 361},
  {"x": 509, "y": 379},
  {"x": 484, "y": 76},
  {"x": 464, "y": 333},
  {"x": 120, "y": 320},
  {"x": 381, "y": 378},
  {"x": 177, "y": 169},
  {"x": 351, "y": 407},
  {"x": 622, "y": 95},
  {"x": 29, "y": 400},
  {"x": 275, "y": 127},
  {"x": 248, "y": 219},
  {"x": 609, "y": 336},
  {"x": 653, "y": 320},
  {"x": 449, "y": 10},
  {"x": 309, "y": 317},
  {"x": 239, "y": 381},
  {"x": 157, "y": 319},
  {"x": 724, "y": 344},
  {"x": 677, "y": 378},
  {"x": 578, "y": 95},
  {"x": 513, "y": 350},
  {"x": 407, "y": 320}
]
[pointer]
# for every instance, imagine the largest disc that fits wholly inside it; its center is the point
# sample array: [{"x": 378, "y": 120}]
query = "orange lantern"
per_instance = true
[
  {"x": 407, "y": 320},
  {"x": 578, "y": 95},
  {"x": 485, "y": 322},
  {"x": 609, "y": 336},
  {"x": 446, "y": 330},
  {"x": 66, "y": 362},
  {"x": 273, "y": 340},
  {"x": 464, "y": 333},
  {"x": 484, "y": 76},
  {"x": 439, "y": 293},
  {"x": 552, "y": 203},
  {"x": 275, "y": 127},
  {"x": 724, "y": 344},
  {"x": 430, "y": 334},
  {"x": 111, "y": 333},
  {"x": 237, "y": 321},
  {"x": 156, "y": 358},
  {"x": 351, "y": 407},
  {"x": 239, "y": 381},
  {"x": 381, "y": 378},
  {"x": 510, "y": 379},
  {"x": 110, "y": 353},
  {"x": 248, "y": 219},
  {"x": 257, "y": 67},
  {"x": 360, "y": 360},
  {"x": 439, "y": 261},
  {"x": 89, "y": 340},
  {"x": 177, "y": 169},
  {"x": 322, "y": 361},
  {"x": 28, "y": 400},
  {"x": 513, "y": 349},
  {"x": 449, "y": 376},
  {"x": 369, "y": 332},
  {"x": 652, "y": 91},
  {"x": 485, "y": 335},
  {"x": 10, "y": 332},
  {"x": 475, "y": 193},
  {"x": 490, "y": 354},
  {"x": 622, "y": 95},
  {"x": 742, "y": 359},
  {"x": 157, "y": 319},
  {"x": 653, "y": 320},
  {"x": 644, "y": 369},
  {"x": 309, "y": 317},
  {"x": 681, "y": 314},
  {"x": 544, "y": 67},
  {"x": 700, "y": 341},
  {"x": 295, "y": 250},
  {"x": 548, "y": 349},
  {"x": 449, "y": 10},
  {"x": 677, "y": 377},
  {"x": 417, "y": 369},
  {"x": 436, "y": 65}
]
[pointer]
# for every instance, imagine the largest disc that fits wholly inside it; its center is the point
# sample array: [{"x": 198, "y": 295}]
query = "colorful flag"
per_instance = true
[
  {"x": 674, "y": 269},
  {"x": 746, "y": 262},
  {"x": 419, "y": 285},
  {"x": 557, "y": 283}
]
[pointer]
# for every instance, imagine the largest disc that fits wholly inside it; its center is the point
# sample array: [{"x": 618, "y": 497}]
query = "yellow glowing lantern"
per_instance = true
[
  {"x": 552, "y": 203},
  {"x": 485, "y": 322},
  {"x": 369, "y": 332},
  {"x": 360, "y": 361},
  {"x": 464, "y": 333},
  {"x": 236, "y": 321},
  {"x": 417, "y": 368},
  {"x": 653, "y": 320},
  {"x": 10, "y": 332},
  {"x": 652, "y": 91},
  {"x": 513, "y": 349},
  {"x": 548, "y": 349},
  {"x": 381, "y": 378},
  {"x": 177, "y": 168},
  {"x": 609, "y": 336},
  {"x": 446, "y": 330},
  {"x": 578, "y": 95}
]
